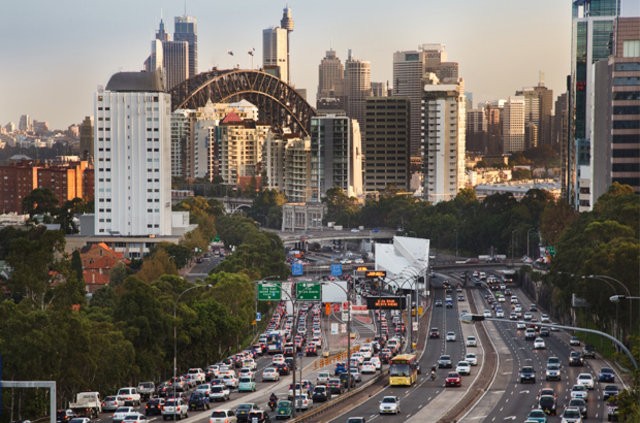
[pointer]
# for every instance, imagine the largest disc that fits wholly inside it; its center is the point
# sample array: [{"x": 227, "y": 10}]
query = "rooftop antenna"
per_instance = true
[
  {"x": 185, "y": 7},
  {"x": 540, "y": 79}
]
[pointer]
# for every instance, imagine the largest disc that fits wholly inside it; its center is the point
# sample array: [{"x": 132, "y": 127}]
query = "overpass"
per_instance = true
[{"x": 324, "y": 235}]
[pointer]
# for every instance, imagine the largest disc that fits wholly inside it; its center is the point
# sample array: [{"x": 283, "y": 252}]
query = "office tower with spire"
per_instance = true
[
  {"x": 330, "y": 77},
  {"x": 409, "y": 68},
  {"x": 443, "y": 125},
  {"x": 592, "y": 33},
  {"x": 357, "y": 87},
  {"x": 132, "y": 156},
  {"x": 186, "y": 29},
  {"x": 172, "y": 57}
]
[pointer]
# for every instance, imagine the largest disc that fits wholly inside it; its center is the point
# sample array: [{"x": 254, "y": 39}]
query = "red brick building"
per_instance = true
[{"x": 97, "y": 262}]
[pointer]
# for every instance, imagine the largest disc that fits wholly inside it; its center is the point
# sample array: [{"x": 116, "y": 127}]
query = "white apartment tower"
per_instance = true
[
  {"x": 444, "y": 121},
  {"x": 513, "y": 127},
  {"x": 133, "y": 156},
  {"x": 274, "y": 52}
]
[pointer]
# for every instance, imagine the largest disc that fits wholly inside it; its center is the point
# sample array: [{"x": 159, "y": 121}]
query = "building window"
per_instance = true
[{"x": 631, "y": 48}]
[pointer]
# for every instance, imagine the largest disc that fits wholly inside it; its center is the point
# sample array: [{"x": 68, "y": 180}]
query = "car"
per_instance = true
[
  {"x": 434, "y": 333},
  {"x": 278, "y": 359},
  {"x": 376, "y": 362},
  {"x": 110, "y": 403},
  {"x": 471, "y": 358},
  {"x": 453, "y": 379},
  {"x": 246, "y": 384},
  {"x": 606, "y": 375},
  {"x": 571, "y": 415},
  {"x": 219, "y": 393},
  {"x": 580, "y": 404},
  {"x": 500, "y": 313},
  {"x": 487, "y": 313},
  {"x": 444, "y": 362},
  {"x": 283, "y": 369},
  {"x": 527, "y": 316},
  {"x": 548, "y": 404},
  {"x": 580, "y": 391},
  {"x": 575, "y": 359},
  {"x": 153, "y": 407},
  {"x": 223, "y": 415},
  {"x": 258, "y": 416},
  {"x": 538, "y": 344},
  {"x": 610, "y": 391},
  {"x": 323, "y": 378},
  {"x": 574, "y": 341},
  {"x": 311, "y": 350},
  {"x": 129, "y": 418},
  {"x": 270, "y": 374},
  {"x": 129, "y": 396},
  {"x": 451, "y": 336},
  {"x": 530, "y": 334},
  {"x": 368, "y": 367},
  {"x": 537, "y": 415},
  {"x": 463, "y": 367},
  {"x": 335, "y": 386},
  {"x": 520, "y": 326},
  {"x": 246, "y": 372},
  {"x": 321, "y": 393},
  {"x": 121, "y": 412},
  {"x": 449, "y": 304},
  {"x": 585, "y": 379},
  {"x": 341, "y": 367},
  {"x": 284, "y": 409},
  {"x": 552, "y": 372},
  {"x": 302, "y": 402},
  {"x": 356, "y": 420},
  {"x": 471, "y": 341},
  {"x": 347, "y": 379},
  {"x": 242, "y": 411},
  {"x": 544, "y": 332},
  {"x": 230, "y": 380},
  {"x": 438, "y": 303},
  {"x": 175, "y": 408},
  {"x": 389, "y": 405},
  {"x": 356, "y": 374},
  {"x": 588, "y": 351},
  {"x": 527, "y": 374},
  {"x": 198, "y": 400},
  {"x": 74, "y": 420}
]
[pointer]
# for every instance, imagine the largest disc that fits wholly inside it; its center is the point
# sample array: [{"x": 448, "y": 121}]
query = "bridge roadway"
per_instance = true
[{"x": 329, "y": 234}]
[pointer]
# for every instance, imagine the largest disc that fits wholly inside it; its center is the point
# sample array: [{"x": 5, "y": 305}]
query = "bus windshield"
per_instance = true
[{"x": 400, "y": 370}]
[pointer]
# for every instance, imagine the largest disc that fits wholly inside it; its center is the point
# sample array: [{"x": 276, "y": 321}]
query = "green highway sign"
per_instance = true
[
  {"x": 308, "y": 291},
  {"x": 269, "y": 291}
]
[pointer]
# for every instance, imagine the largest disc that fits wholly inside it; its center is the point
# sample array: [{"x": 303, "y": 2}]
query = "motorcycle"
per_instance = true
[
  {"x": 433, "y": 375},
  {"x": 272, "y": 404}
]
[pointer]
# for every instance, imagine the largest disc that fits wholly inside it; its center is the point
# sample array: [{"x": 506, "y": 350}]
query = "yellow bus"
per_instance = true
[{"x": 403, "y": 370}]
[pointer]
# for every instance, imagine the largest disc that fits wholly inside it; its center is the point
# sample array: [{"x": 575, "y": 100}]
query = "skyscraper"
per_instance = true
[
  {"x": 274, "y": 52},
  {"x": 330, "y": 77},
  {"x": 409, "y": 68},
  {"x": 357, "y": 84},
  {"x": 513, "y": 125},
  {"x": 172, "y": 57},
  {"x": 132, "y": 156},
  {"x": 443, "y": 124},
  {"x": 86, "y": 138},
  {"x": 186, "y": 29},
  {"x": 592, "y": 32},
  {"x": 386, "y": 144},
  {"x": 287, "y": 23}
]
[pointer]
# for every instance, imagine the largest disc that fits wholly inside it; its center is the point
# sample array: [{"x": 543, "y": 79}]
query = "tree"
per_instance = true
[
  {"x": 157, "y": 265},
  {"x": 39, "y": 201},
  {"x": 340, "y": 208}
]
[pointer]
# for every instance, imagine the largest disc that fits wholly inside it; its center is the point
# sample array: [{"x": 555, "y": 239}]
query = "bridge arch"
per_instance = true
[{"x": 279, "y": 104}]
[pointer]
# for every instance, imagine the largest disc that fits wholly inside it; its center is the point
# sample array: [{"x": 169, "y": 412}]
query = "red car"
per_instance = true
[
  {"x": 311, "y": 350},
  {"x": 453, "y": 379}
]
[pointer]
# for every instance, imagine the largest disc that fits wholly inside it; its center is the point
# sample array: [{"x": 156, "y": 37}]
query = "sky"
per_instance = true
[{"x": 54, "y": 54}]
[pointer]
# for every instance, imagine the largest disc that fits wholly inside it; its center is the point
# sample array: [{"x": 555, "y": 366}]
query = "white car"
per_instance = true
[
  {"x": 579, "y": 391},
  {"x": 389, "y": 405},
  {"x": 358, "y": 356},
  {"x": 223, "y": 416},
  {"x": 205, "y": 388},
  {"x": 129, "y": 418},
  {"x": 367, "y": 352},
  {"x": 368, "y": 367},
  {"x": 175, "y": 407},
  {"x": 471, "y": 358},
  {"x": 317, "y": 341},
  {"x": 500, "y": 313},
  {"x": 463, "y": 368},
  {"x": 121, "y": 412},
  {"x": 586, "y": 380},
  {"x": 487, "y": 313},
  {"x": 545, "y": 318},
  {"x": 451, "y": 336},
  {"x": 521, "y": 326},
  {"x": 538, "y": 344},
  {"x": 472, "y": 341},
  {"x": 376, "y": 362},
  {"x": 198, "y": 374},
  {"x": 323, "y": 378},
  {"x": 270, "y": 374},
  {"x": 230, "y": 380},
  {"x": 302, "y": 402},
  {"x": 278, "y": 359}
]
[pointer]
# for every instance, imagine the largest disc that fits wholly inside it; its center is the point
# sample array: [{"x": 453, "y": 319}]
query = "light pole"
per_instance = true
[
  {"x": 175, "y": 336},
  {"x": 346, "y": 292},
  {"x": 513, "y": 245},
  {"x": 606, "y": 278},
  {"x": 472, "y": 318}
]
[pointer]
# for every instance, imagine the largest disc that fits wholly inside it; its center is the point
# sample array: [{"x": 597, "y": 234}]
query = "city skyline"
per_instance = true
[{"x": 53, "y": 79}]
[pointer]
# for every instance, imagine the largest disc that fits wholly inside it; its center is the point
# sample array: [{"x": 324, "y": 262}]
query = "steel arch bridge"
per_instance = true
[{"x": 278, "y": 103}]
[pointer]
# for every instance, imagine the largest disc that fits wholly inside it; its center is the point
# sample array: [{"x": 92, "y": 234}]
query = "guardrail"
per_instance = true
[{"x": 327, "y": 361}]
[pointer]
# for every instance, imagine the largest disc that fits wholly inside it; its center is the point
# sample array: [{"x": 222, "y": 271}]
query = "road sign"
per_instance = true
[
  {"x": 362, "y": 269},
  {"x": 297, "y": 269},
  {"x": 345, "y": 315},
  {"x": 334, "y": 328},
  {"x": 271, "y": 291},
  {"x": 386, "y": 303},
  {"x": 336, "y": 269},
  {"x": 376, "y": 274},
  {"x": 308, "y": 291},
  {"x": 258, "y": 317}
]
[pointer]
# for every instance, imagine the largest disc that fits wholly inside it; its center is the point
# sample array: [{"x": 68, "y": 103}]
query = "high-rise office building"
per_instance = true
[
  {"x": 409, "y": 68},
  {"x": 531, "y": 116},
  {"x": 443, "y": 124},
  {"x": 336, "y": 155},
  {"x": 274, "y": 52},
  {"x": 513, "y": 125},
  {"x": 186, "y": 29},
  {"x": 172, "y": 57},
  {"x": 25, "y": 124},
  {"x": 592, "y": 33},
  {"x": 477, "y": 130},
  {"x": 86, "y": 138},
  {"x": 182, "y": 123},
  {"x": 132, "y": 156},
  {"x": 330, "y": 77},
  {"x": 386, "y": 144},
  {"x": 357, "y": 87}
]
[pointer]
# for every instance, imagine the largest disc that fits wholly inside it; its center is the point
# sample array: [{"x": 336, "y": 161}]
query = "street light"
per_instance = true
[
  {"x": 605, "y": 278},
  {"x": 472, "y": 318},
  {"x": 175, "y": 335},
  {"x": 618, "y": 298}
]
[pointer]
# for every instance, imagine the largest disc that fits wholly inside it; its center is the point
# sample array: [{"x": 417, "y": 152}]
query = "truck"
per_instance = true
[{"x": 87, "y": 404}]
